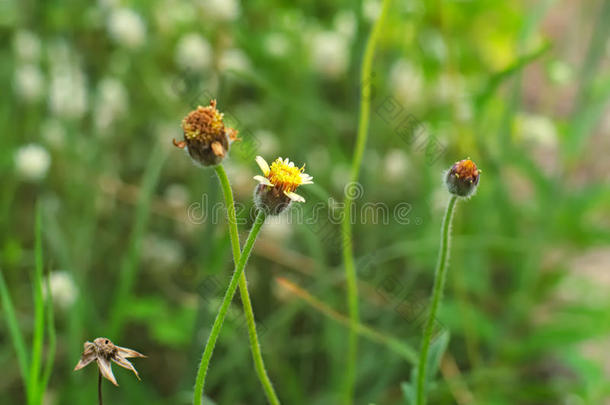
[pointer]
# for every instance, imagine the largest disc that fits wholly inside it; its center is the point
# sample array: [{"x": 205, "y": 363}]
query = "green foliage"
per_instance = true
[{"x": 520, "y": 87}]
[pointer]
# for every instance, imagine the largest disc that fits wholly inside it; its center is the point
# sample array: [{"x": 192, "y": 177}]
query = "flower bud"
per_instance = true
[
  {"x": 463, "y": 178},
  {"x": 206, "y": 138}
]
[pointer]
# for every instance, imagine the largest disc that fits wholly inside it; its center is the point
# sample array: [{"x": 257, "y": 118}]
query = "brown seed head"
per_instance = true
[{"x": 206, "y": 137}]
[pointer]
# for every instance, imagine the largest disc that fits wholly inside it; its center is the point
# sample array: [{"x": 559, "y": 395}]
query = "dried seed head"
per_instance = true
[
  {"x": 103, "y": 351},
  {"x": 463, "y": 178},
  {"x": 206, "y": 137}
]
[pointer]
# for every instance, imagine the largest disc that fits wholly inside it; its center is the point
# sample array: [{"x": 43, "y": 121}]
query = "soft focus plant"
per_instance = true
[{"x": 461, "y": 180}]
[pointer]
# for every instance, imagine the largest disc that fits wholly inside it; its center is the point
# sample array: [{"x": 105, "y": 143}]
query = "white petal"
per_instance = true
[
  {"x": 263, "y": 180},
  {"x": 262, "y": 163},
  {"x": 294, "y": 196}
]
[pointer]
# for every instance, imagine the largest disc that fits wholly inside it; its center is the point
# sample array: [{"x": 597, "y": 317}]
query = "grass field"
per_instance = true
[{"x": 378, "y": 99}]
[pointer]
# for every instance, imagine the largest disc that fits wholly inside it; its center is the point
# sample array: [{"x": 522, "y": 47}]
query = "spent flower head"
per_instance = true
[
  {"x": 463, "y": 178},
  {"x": 206, "y": 138},
  {"x": 104, "y": 351},
  {"x": 276, "y": 189}
]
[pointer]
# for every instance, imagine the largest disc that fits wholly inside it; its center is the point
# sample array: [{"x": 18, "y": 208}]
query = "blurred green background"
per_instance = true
[{"x": 94, "y": 92}]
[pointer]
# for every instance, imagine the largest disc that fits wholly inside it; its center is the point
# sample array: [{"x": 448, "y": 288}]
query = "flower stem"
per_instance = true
[
  {"x": 222, "y": 313},
  {"x": 346, "y": 226},
  {"x": 99, "y": 388},
  {"x": 243, "y": 289},
  {"x": 437, "y": 294}
]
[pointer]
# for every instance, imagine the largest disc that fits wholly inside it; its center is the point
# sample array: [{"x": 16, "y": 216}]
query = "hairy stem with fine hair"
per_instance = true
[
  {"x": 222, "y": 313},
  {"x": 346, "y": 226},
  {"x": 259, "y": 364},
  {"x": 440, "y": 275}
]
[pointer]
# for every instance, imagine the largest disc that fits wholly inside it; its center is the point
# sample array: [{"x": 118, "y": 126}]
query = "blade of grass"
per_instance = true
[
  {"x": 131, "y": 260},
  {"x": 346, "y": 225},
  {"x": 595, "y": 55},
  {"x": 497, "y": 79},
  {"x": 392, "y": 343},
  {"x": 15, "y": 332},
  {"x": 50, "y": 321},
  {"x": 34, "y": 395}
]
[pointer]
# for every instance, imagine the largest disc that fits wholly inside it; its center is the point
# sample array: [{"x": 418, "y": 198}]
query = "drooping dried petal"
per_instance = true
[
  {"x": 123, "y": 362},
  {"x": 106, "y": 370},
  {"x": 89, "y": 354},
  {"x": 128, "y": 353}
]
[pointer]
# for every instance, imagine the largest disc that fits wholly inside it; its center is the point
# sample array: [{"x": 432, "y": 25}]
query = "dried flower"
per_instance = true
[
  {"x": 206, "y": 137},
  {"x": 276, "y": 190},
  {"x": 463, "y": 178},
  {"x": 103, "y": 351}
]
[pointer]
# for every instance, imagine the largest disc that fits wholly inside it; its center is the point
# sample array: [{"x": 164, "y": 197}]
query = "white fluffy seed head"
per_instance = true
[
  {"x": 63, "y": 289},
  {"x": 127, "y": 28},
  {"x": 193, "y": 51},
  {"x": 221, "y": 10},
  {"x": 26, "y": 46},
  {"x": 32, "y": 162},
  {"x": 329, "y": 53},
  {"x": 29, "y": 83}
]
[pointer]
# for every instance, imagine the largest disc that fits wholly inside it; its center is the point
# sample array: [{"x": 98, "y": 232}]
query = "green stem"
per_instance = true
[
  {"x": 346, "y": 226},
  {"x": 437, "y": 294},
  {"x": 220, "y": 317},
  {"x": 99, "y": 388},
  {"x": 243, "y": 289},
  {"x": 35, "y": 396}
]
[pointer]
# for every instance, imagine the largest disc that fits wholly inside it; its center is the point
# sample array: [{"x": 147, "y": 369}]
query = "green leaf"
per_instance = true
[
  {"x": 437, "y": 349},
  {"x": 408, "y": 390}
]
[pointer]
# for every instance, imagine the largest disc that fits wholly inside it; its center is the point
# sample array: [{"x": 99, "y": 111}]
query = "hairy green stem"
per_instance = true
[
  {"x": 440, "y": 275},
  {"x": 243, "y": 289},
  {"x": 346, "y": 226},
  {"x": 222, "y": 313}
]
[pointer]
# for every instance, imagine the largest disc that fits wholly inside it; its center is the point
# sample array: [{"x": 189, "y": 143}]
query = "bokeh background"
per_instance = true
[{"x": 94, "y": 92}]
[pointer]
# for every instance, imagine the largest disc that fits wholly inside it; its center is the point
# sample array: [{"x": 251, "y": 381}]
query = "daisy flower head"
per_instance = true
[
  {"x": 463, "y": 178},
  {"x": 206, "y": 138},
  {"x": 277, "y": 186}
]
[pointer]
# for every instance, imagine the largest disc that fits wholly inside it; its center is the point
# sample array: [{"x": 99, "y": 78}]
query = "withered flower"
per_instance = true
[
  {"x": 463, "y": 178},
  {"x": 206, "y": 138},
  {"x": 104, "y": 351}
]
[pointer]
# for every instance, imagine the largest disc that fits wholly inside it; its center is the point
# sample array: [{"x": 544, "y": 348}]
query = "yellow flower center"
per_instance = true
[{"x": 284, "y": 176}]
